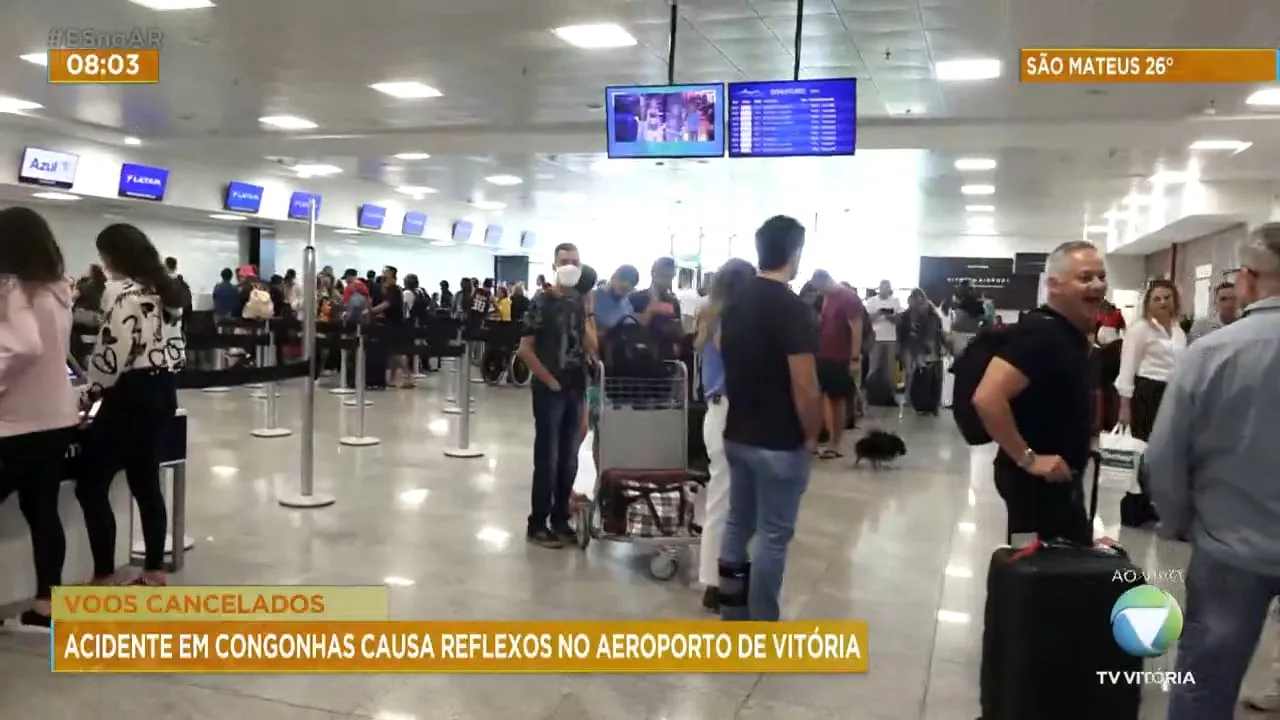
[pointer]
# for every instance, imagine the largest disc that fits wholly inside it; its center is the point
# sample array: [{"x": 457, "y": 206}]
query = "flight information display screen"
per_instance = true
[{"x": 804, "y": 118}]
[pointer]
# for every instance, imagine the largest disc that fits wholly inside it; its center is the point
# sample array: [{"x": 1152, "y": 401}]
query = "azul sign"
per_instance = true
[
  {"x": 48, "y": 167},
  {"x": 243, "y": 197},
  {"x": 143, "y": 182}
]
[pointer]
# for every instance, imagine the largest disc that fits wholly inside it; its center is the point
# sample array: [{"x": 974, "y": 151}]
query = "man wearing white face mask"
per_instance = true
[{"x": 555, "y": 346}]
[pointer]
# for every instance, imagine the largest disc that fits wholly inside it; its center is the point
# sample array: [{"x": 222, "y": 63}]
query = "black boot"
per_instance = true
[
  {"x": 732, "y": 595},
  {"x": 711, "y": 599}
]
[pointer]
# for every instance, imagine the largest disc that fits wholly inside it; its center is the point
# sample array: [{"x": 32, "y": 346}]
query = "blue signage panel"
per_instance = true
[
  {"x": 415, "y": 223},
  {"x": 300, "y": 205},
  {"x": 813, "y": 118},
  {"x": 528, "y": 240},
  {"x": 243, "y": 197},
  {"x": 371, "y": 217},
  {"x": 142, "y": 182},
  {"x": 493, "y": 235},
  {"x": 462, "y": 231}
]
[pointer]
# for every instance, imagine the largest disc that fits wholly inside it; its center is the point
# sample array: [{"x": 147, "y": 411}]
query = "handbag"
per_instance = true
[{"x": 1121, "y": 458}]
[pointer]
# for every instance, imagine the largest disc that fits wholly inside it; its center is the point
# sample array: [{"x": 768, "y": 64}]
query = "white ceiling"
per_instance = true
[{"x": 518, "y": 100}]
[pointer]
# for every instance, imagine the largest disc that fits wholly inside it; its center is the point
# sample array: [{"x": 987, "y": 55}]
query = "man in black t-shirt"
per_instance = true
[
  {"x": 555, "y": 345},
  {"x": 769, "y": 342},
  {"x": 1036, "y": 401}
]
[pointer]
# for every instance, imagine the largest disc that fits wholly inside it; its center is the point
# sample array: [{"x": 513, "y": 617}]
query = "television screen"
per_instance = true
[
  {"x": 48, "y": 167},
  {"x": 813, "y": 118},
  {"x": 415, "y": 223},
  {"x": 665, "y": 121},
  {"x": 371, "y": 217},
  {"x": 142, "y": 182},
  {"x": 528, "y": 240},
  {"x": 243, "y": 197},
  {"x": 493, "y": 235},
  {"x": 300, "y": 205},
  {"x": 461, "y": 231}
]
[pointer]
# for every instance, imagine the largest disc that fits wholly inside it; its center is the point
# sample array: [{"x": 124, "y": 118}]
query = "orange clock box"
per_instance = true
[
  {"x": 133, "y": 66},
  {"x": 498, "y": 647},
  {"x": 1147, "y": 65}
]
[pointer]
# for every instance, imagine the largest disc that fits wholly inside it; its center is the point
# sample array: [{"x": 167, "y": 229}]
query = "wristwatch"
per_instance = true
[{"x": 1028, "y": 459}]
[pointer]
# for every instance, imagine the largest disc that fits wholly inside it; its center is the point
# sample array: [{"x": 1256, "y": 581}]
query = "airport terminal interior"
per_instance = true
[{"x": 417, "y": 129}]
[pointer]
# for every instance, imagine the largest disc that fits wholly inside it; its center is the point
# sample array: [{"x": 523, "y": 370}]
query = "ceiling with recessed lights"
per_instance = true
[{"x": 500, "y": 101}]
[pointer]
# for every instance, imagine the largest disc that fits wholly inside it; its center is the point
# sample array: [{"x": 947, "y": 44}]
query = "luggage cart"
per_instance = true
[{"x": 643, "y": 482}]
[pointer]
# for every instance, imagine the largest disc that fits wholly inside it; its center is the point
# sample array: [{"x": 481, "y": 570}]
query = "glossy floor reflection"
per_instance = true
[{"x": 904, "y": 548}]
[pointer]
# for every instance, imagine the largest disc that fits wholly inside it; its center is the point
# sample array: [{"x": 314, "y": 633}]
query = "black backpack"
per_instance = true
[
  {"x": 630, "y": 351},
  {"x": 421, "y": 306},
  {"x": 969, "y": 368}
]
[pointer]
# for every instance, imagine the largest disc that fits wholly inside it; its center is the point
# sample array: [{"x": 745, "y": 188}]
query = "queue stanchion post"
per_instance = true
[
  {"x": 272, "y": 428},
  {"x": 463, "y": 449},
  {"x": 360, "y": 400},
  {"x": 461, "y": 373},
  {"x": 266, "y": 358},
  {"x": 176, "y": 509},
  {"x": 342, "y": 388},
  {"x": 359, "y": 439},
  {"x": 307, "y": 497},
  {"x": 417, "y": 372},
  {"x": 258, "y": 358}
]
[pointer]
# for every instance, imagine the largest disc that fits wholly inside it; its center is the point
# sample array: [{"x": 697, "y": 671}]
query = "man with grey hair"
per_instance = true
[
  {"x": 1215, "y": 475},
  {"x": 1036, "y": 400}
]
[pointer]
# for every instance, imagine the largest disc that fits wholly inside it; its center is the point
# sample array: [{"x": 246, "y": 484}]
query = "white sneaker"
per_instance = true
[{"x": 1268, "y": 702}]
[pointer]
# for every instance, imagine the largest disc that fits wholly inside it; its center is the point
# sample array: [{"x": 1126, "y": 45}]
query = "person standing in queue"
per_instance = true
[
  {"x": 38, "y": 413},
  {"x": 664, "y": 317},
  {"x": 1225, "y": 311},
  {"x": 883, "y": 310},
  {"x": 728, "y": 283},
  {"x": 555, "y": 347},
  {"x": 1036, "y": 401},
  {"x": 839, "y": 355},
  {"x": 1148, "y": 356},
  {"x": 769, "y": 344},
  {"x": 1215, "y": 476},
  {"x": 131, "y": 371}
]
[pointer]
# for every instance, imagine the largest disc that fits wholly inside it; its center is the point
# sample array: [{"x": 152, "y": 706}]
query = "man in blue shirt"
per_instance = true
[
  {"x": 613, "y": 302},
  {"x": 1215, "y": 476},
  {"x": 226, "y": 296}
]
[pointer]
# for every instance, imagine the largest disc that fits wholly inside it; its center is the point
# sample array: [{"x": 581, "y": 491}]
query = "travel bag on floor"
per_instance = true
[
  {"x": 926, "y": 388},
  {"x": 1047, "y": 632}
]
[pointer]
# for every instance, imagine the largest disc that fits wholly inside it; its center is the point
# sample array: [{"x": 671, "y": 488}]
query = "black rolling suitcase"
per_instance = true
[
  {"x": 1047, "y": 632},
  {"x": 926, "y": 388}
]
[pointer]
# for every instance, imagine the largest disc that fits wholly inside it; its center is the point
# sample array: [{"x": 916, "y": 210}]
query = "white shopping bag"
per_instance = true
[{"x": 1121, "y": 457}]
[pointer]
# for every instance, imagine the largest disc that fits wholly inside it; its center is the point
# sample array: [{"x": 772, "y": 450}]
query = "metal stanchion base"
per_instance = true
[
  {"x": 477, "y": 381},
  {"x": 465, "y": 453},
  {"x": 260, "y": 395},
  {"x": 139, "y": 549},
  {"x": 254, "y": 386},
  {"x": 353, "y": 403},
  {"x": 358, "y": 441},
  {"x": 419, "y": 376},
  {"x": 342, "y": 391},
  {"x": 455, "y": 410},
  {"x": 300, "y": 501},
  {"x": 271, "y": 432},
  {"x": 216, "y": 389}
]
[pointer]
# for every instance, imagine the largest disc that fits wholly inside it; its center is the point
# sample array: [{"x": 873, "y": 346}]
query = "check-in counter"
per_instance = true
[{"x": 16, "y": 565}]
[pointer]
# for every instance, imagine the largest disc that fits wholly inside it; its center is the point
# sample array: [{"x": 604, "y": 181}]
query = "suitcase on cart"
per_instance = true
[{"x": 1047, "y": 632}]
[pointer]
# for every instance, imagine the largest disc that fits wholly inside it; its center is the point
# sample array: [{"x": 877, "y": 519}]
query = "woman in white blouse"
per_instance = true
[{"x": 1147, "y": 358}]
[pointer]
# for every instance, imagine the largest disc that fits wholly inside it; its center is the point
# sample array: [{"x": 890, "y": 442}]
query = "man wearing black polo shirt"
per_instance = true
[
  {"x": 769, "y": 342},
  {"x": 1036, "y": 400}
]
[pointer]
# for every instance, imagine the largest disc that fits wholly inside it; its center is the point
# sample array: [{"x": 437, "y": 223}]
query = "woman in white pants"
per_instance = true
[{"x": 724, "y": 286}]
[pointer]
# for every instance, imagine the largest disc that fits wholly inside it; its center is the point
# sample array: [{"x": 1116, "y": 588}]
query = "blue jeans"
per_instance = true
[
  {"x": 765, "y": 487},
  {"x": 1224, "y": 614},
  {"x": 557, "y": 418}
]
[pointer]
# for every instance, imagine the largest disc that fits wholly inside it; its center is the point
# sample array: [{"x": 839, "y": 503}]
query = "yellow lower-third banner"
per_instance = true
[{"x": 822, "y": 646}]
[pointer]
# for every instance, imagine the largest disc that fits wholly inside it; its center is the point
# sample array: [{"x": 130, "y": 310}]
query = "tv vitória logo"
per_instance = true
[{"x": 1146, "y": 621}]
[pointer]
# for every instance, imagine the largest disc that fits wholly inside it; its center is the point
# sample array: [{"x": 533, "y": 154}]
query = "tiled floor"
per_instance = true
[{"x": 904, "y": 548}]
